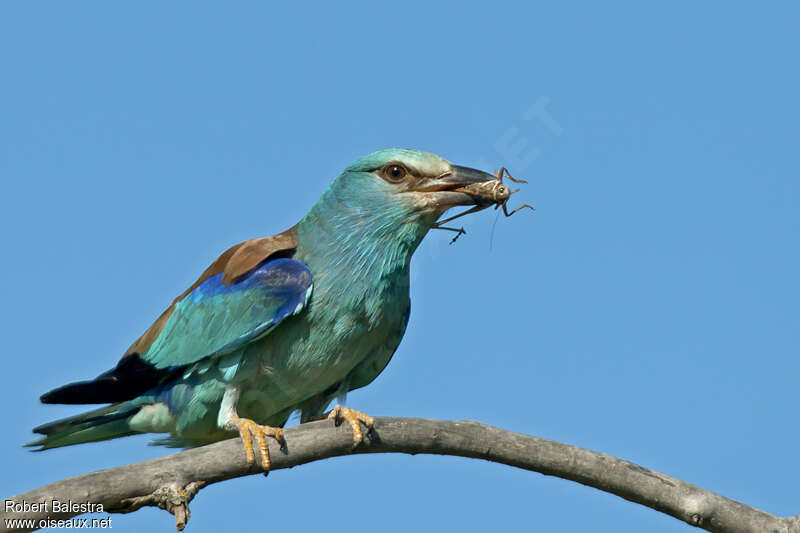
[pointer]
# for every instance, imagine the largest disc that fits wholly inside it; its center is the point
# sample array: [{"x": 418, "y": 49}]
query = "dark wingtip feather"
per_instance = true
[
  {"x": 104, "y": 389},
  {"x": 130, "y": 378},
  {"x": 68, "y": 393}
]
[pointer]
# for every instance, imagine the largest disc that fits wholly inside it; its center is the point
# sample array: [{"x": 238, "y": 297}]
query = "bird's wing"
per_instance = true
[
  {"x": 234, "y": 263},
  {"x": 249, "y": 289},
  {"x": 215, "y": 318}
]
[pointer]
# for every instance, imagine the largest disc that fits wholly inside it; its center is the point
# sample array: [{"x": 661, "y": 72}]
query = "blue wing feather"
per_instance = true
[{"x": 215, "y": 318}]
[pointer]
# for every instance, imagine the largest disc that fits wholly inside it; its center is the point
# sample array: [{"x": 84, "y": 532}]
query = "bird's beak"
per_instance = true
[{"x": 456, "y": 187}]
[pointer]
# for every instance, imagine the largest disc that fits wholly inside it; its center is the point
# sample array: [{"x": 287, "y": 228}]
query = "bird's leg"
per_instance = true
[
  {"x": 354, "y": 418},
  {"x": 248, "y": 429}
]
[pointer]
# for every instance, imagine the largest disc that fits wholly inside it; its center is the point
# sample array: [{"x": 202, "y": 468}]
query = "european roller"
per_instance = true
[{"x": 280, "y": 324}]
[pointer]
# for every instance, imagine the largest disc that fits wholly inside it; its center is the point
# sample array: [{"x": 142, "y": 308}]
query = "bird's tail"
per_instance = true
[{"x": 100, "y": 424}]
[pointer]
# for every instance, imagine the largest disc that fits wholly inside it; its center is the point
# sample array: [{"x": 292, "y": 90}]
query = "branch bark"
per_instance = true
[{"x": 171, "y": 482}]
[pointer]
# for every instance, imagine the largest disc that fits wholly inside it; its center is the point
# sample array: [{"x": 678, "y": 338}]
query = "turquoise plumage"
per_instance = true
[{"x": 279, "y": 324}]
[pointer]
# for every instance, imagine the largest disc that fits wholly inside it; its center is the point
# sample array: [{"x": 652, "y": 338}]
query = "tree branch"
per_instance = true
[{"x": 171, "y": 482}]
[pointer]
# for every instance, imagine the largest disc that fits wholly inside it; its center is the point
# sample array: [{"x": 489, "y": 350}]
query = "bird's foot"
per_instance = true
[
  {"x": 354, "y": 418},
  {"x": 247, "y": 430}
]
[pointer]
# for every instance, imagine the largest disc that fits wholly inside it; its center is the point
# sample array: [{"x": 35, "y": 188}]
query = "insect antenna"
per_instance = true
[{"x": 491, "y": 234}]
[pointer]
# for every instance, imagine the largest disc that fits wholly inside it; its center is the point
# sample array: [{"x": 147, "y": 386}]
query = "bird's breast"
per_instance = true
[{"x": 348, "y": 322}]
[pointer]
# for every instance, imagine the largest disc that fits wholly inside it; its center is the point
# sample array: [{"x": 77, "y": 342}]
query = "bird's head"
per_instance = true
[
  {"x": 387, "y": 201},
  {"x": 418, "y": 184}
]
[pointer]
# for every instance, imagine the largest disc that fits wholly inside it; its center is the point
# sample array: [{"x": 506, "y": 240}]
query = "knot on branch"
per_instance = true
[{"x": 172, "y": 498}]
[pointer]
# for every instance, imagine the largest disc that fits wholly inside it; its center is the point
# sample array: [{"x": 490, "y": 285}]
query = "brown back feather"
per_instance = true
[{"x": 234, "y": 263}]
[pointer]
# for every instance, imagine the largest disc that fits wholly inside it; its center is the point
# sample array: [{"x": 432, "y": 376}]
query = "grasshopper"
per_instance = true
[{"x": 488, "y": 193}]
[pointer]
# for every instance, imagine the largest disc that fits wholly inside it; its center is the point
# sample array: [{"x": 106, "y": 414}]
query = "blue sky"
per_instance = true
[{"x": 648, "y": 308}]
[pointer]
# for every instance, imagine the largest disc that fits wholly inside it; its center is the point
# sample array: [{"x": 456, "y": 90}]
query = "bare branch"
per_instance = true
[{"x": 170, "y": 482}]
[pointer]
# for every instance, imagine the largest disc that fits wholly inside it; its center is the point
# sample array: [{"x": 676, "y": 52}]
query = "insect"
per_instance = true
[{"x": 487, "y": 193}]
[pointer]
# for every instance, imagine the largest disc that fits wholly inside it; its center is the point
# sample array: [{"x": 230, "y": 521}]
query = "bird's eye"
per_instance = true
[{"x": 394, "y": 172}]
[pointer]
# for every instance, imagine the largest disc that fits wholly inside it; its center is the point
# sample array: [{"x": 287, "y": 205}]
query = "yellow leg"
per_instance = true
[
  {"x": 355, "y": 418},
  {"x": 249, "y": 429}
]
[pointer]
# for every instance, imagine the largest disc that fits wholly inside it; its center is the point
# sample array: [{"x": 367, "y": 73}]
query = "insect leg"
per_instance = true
[
  {"x": 506, "y": 213},
  {"x": 468, "y": 211},
  {"x": 509, "y": 176}
]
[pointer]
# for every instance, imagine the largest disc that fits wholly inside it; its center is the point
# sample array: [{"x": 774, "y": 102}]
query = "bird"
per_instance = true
[{"x": 280, "y": 324}]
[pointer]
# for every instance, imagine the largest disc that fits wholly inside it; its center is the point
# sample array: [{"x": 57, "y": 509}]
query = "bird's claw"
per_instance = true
[
  {"x": 354, "y": 418},
  {"x": 249, "y": 430}
]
